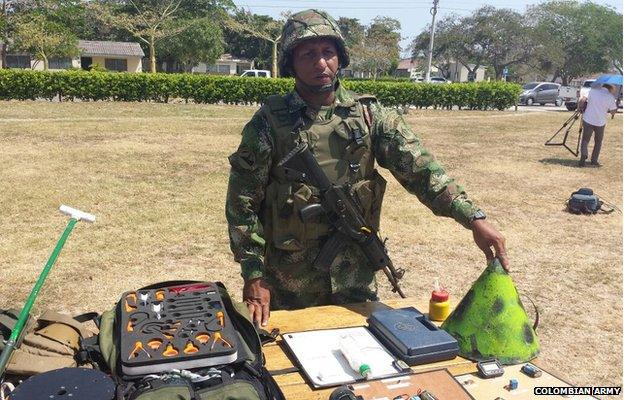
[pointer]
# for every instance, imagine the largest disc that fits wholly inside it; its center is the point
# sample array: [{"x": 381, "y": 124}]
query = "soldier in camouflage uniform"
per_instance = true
[{"x": 347, "y": 133}]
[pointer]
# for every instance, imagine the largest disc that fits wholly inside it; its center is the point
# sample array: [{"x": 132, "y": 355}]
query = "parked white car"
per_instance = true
[
  {"x": 256, "y": 73},
  {"x": 434, "y": 79},
  {"x": 571, "y": 94}
]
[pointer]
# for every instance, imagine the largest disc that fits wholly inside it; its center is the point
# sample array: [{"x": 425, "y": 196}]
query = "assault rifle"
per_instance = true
[{"x": 342, "y": 211}]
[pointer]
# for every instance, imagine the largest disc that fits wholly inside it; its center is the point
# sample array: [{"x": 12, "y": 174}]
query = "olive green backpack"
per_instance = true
[{"x": 244, "y": 379}]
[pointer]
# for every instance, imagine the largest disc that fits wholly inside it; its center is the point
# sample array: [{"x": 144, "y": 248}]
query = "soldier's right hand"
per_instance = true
[{"x": 257, "y": 296}]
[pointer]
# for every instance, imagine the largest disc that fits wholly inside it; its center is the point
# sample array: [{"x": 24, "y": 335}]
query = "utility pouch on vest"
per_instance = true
[
  {"x": 288, "y": 231},
  {"x": 369, "y": 194},
  {"x": 49, "y": 343}
]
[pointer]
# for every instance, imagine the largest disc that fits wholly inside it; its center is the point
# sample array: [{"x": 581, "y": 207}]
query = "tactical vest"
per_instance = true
[{"x": 343, "y": 147}]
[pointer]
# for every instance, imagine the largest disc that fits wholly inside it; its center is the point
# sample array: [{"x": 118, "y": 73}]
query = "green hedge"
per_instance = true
[{"x": 26, "y": 84}]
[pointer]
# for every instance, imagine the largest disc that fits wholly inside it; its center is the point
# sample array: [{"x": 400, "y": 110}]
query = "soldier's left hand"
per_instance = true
[{"x": 487, "y": 237}]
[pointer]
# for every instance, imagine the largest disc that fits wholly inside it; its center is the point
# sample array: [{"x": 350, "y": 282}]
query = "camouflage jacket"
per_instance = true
[{"x": 395, "y": 147}]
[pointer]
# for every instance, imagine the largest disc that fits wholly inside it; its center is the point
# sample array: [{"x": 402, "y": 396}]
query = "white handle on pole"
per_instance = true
[{"x": 77, "y": 214}]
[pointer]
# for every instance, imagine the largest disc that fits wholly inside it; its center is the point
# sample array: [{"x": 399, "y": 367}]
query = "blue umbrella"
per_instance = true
[{"x": 609, "y": 79}]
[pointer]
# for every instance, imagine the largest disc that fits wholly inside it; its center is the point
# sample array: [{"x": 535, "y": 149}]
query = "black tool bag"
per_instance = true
[
  {"x": 584, "y": 201},
  {"x": 246, "y": 378}
]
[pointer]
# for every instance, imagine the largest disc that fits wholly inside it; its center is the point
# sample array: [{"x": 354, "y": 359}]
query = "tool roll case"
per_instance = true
[{"x": 184, "y": 340}]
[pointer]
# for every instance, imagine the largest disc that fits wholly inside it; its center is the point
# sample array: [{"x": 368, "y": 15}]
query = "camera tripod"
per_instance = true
[{"x": 567, "y": 125}]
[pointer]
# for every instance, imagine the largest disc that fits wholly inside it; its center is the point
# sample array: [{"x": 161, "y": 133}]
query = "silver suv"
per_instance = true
[{"x": 540, "y": 92}]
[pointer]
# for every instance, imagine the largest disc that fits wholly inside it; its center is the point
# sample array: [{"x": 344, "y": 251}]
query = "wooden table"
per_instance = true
[{"x": 293, "y": 384}]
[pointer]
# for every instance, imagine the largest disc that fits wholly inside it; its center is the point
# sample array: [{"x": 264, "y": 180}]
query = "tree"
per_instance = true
[
  {"x": 202, "y": 41},
  {"x": 242, "y": 44},
  {"x": 4, "y": 29},
  {"x": 445, "y": 45},
  {"x": 352, "y": 30},
  {"x": 573, "y": 38},
  {"x": 261, "y": 27},
  {"x": 11, "y": 11},
  {"x": 495, "y": 37},
  {"x": 150, "y": 21},
  {"x": 45, "y": 39},
  {"x": 380, "y": 49},
  {"x": 612, "y": 25},
  {"x": 72, "y": 14},
  {"x": 503, "y": 37}
]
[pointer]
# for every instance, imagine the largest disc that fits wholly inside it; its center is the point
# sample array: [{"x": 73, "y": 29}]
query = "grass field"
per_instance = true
[{"x": 156, "y": 175}]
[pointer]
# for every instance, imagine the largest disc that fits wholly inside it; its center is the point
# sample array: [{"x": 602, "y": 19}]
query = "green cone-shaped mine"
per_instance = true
[{"x": 490, "y": 321}]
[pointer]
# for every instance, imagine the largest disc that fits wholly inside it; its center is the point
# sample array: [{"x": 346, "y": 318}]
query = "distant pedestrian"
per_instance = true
[{"x": 600, "y": 101}]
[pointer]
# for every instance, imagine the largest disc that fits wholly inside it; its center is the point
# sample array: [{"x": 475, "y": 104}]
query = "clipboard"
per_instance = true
[{"x": 319, "y": 357}]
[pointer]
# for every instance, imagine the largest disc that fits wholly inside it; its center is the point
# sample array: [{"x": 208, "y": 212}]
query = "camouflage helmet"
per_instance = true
[{"x": 305, "y": 25}]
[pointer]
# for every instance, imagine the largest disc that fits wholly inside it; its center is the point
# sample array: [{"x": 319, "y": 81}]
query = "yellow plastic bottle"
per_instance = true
[{"x": 439, "y": 305}]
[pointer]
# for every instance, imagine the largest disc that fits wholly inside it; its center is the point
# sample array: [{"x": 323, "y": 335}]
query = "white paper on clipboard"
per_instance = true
[{"x": 318, "y": 354}]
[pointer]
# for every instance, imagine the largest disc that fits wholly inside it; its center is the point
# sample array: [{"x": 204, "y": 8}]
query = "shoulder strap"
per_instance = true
[
  {"x": 52, "y": 317},
  {"x": 276, "y": 102},
  {"x": 8, "y": 318},
  {"x": 243, "y": 324},
  {"x": 604, "y": 207},
  {"x": 278, "y": 114},
  {"x": 364, "y": 98},
  {"x": 250, "y": 334},
  {"x": 283, "y": 123}
]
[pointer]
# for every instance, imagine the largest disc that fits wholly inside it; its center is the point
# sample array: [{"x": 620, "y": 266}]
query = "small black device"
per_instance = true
[
  {"x": 344, "y": 393},
  {"x": 531, "y": 370},
  {"x": 490, "y": 368},
  {"x": 427, "y": 396}
]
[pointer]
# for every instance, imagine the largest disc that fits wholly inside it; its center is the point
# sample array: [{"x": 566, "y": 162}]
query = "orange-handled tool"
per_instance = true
[
  {"x": 170, "y": 351},
  {"x": 130, "y": 307},
  {"x": 217, "y": 336},
  {"x": 203, "y": 338},
  {"x": 190, "y": 348},
  {"x": 138, "y": 346},
  {"x": 154, "y": 344}
]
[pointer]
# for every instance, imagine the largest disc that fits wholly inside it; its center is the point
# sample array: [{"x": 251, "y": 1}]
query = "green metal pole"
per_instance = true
[{"x": 21, "y": 321}]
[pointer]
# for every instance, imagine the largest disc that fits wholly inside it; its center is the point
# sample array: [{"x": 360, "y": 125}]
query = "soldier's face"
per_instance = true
[{"x": 316, "y": 62}]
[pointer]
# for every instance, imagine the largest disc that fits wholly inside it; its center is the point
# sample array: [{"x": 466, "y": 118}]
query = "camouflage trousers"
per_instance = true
[{"x": 296, "y": 283}]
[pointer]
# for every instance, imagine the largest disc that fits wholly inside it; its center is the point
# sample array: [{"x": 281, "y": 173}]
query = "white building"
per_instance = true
[
  {"x": 409, "y": 68},
  {"x": 225, "y": 65},
  {"x": 113, "y": 56},
  {"x": 459, "y": 73}
]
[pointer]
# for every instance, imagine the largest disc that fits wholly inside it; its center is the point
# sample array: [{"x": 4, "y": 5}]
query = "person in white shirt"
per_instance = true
[{"x": 600, "y": 101}]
